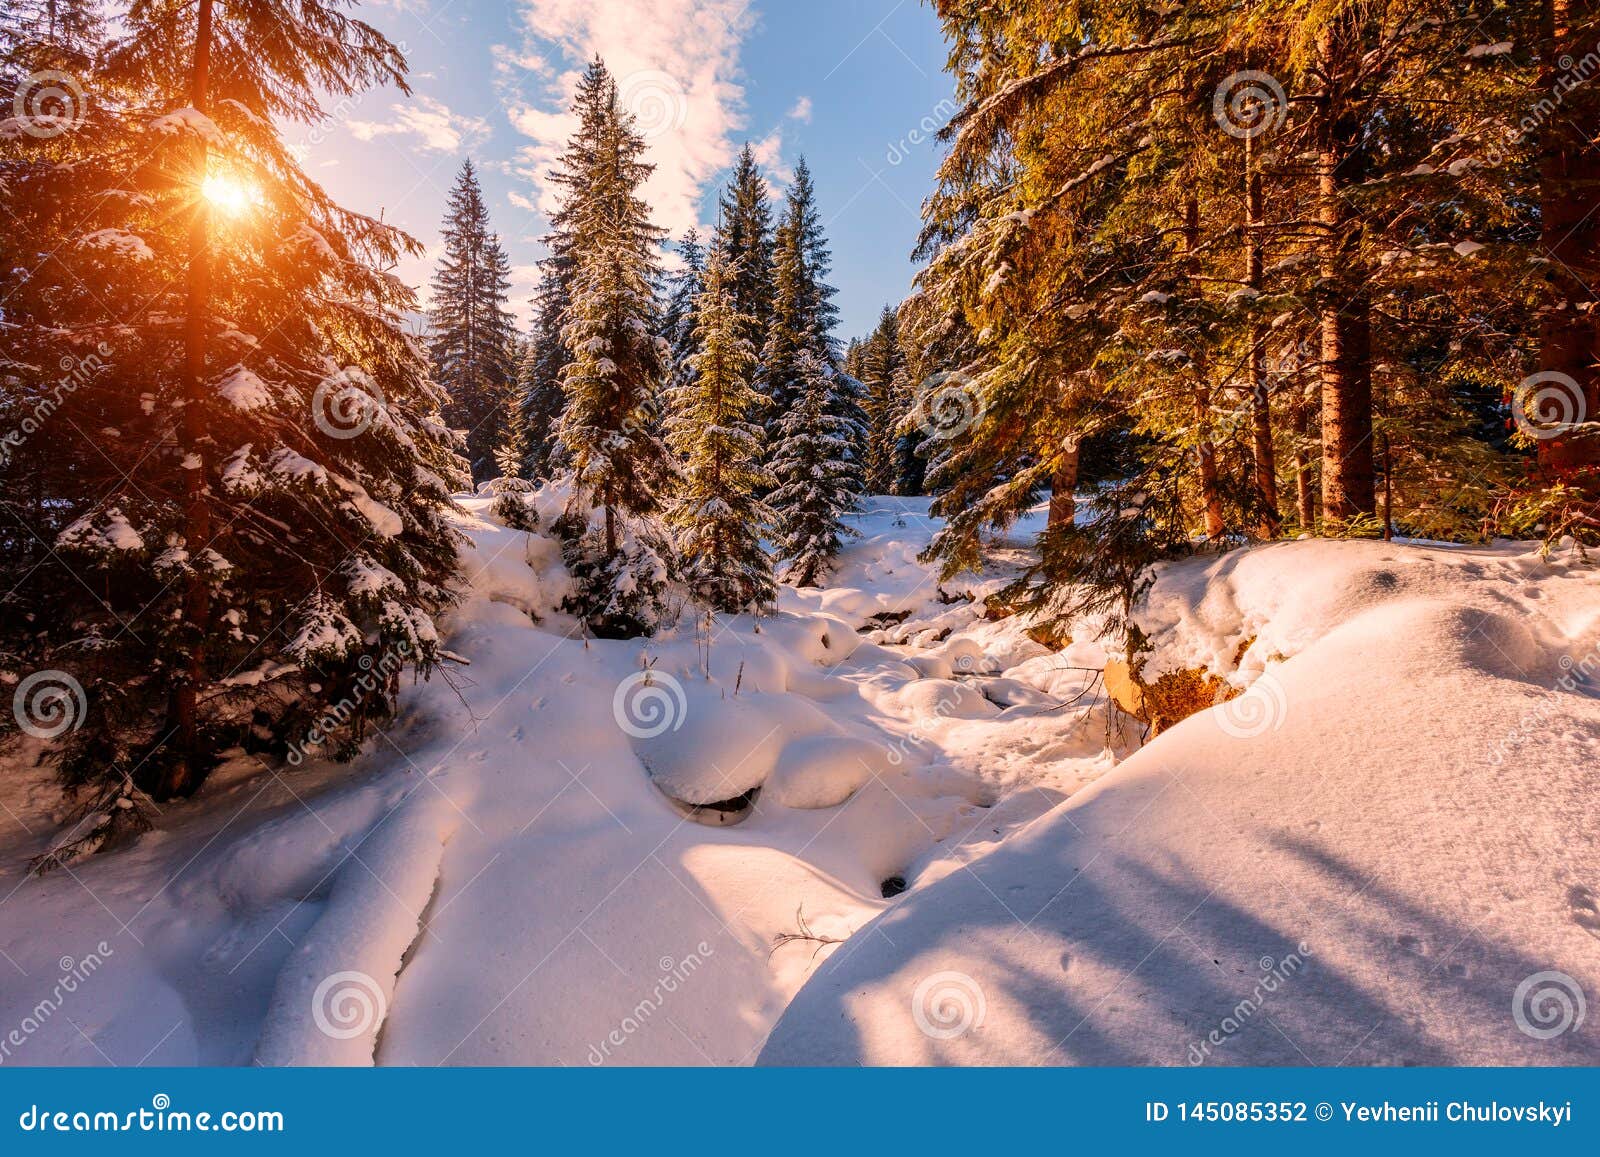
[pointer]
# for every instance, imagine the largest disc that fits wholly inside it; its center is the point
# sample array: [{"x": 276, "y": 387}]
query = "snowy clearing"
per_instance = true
[{"x": 566, "y": 860}]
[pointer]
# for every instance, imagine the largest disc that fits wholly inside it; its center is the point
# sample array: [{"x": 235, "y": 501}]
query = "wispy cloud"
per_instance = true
[
  {"x": 769, "y": 155},
  {"x": 430, "y": 121},
  {"x": 676, "y": 63},
  {"x": 801, "y": 110}
]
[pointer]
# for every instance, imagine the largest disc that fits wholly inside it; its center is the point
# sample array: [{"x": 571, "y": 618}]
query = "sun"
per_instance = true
[{"x": 229, "y": 194}]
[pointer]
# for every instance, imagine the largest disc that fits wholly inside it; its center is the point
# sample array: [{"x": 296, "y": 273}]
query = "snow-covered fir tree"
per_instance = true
[
  {"x": 803, "y": 311},
  {"x": 472, "y": 331},
  {"x": 249, "y": 525},
  {"x": 818, "y": 473},
  {"x": 744, "y": 231},
  {"x": 530, "y": 448},
  {"x": 816, "y": 428},
  {"x": 717, "y": 514},
  {"x": 678, "y": 319},
  {"x": 616, "y": 460},
  {"x": 881, "y": 372}
]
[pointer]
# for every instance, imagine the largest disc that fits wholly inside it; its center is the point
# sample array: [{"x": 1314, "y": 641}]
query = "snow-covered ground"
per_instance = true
[
  {"x": 1384, "y": 852},
  {"x": 1399, "y": 814}
]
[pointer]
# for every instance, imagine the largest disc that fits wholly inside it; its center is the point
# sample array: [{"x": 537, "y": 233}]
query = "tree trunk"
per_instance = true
[
  {"x": 1569, "y": 203},
  {"x": 182, "y": 775},
  {"x": 1063, "y": 484},
  {"x": 1266, "y": 465},
  {"x": 1348, "y": 488},
  {"x": 1305, "y": 494},
  {"x": 1205, "y": 449}
]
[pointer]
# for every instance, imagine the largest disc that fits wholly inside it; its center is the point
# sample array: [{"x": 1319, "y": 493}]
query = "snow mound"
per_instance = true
[
  {"x": 501, "y": 877},
  {"x": 1385, "y": 852},
  {"x": 824, "y": 771},
  {"x": 721, "y": 747}
]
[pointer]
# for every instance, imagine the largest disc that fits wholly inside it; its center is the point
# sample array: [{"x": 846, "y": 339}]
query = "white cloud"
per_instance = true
[
  {"x": 676, "y": 63},
  {"x": 430, "y": 121},
  {"x": 801, "y": 110},
  {"x": 769, "y": 155}
]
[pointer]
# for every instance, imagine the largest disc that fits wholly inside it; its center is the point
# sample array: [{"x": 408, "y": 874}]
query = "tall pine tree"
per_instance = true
[
  {"x": 815, "y": 428},
  {"x": 745, "y": 234},
  {"x": 473, "y": 333},
  {"x": 611, "y": 450},
  {"x": 252, "y": 523},
  {"x": 679, "y": 321},
  {"x": 717, "y": 515},
  {"x": 882, "y": 373},
  {"x": 819, "y": 476},
  {"x": 531, "y": 444}
]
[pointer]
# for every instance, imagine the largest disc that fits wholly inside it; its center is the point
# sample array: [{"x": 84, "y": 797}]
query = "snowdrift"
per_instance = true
[
  {"x": 878, "y": 827},
  {"x": 1384, "y": 852},
  {"x": 513, "y": 873}
]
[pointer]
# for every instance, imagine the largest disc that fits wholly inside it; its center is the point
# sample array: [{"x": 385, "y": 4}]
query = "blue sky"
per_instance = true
[{"x": 855, "y": 85}]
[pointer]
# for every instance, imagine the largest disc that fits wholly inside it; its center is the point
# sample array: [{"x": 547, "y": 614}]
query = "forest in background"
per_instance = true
[{"x": 1202, "y": 275}]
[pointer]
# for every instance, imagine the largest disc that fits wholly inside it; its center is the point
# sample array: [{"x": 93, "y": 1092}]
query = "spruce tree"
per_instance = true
[
  {"x": 882, "y": 374},
  {"x": 473, "y": 333},
  {"x": 803, "y": 311},
  {"x": 816, "y": 423},
  {"x": 611, "y": 451},
  {"x": 252, "y": 525},
  {"x": 717, "y": 515},
  {"x": 47, "y": 35},
  {"x": 745, "y": 234},
  {"x": 804, "y": 220},
  {"x": 1149, "y": 231},
  {"x": 530, "y": 448},
  {"x": 516, "y": 444},
  {"x": 678, "y": 319},
  {"x": 818, "y": 473}
]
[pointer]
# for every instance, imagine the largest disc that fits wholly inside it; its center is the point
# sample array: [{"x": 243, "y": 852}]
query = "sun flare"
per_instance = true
[{"x": 229, "y": 194}]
